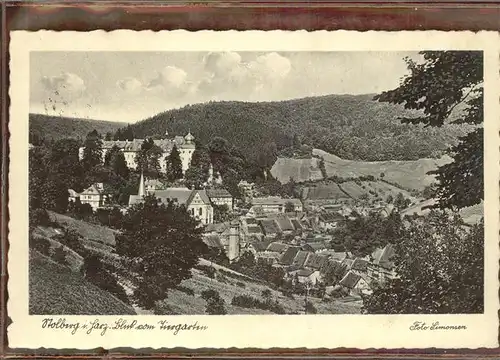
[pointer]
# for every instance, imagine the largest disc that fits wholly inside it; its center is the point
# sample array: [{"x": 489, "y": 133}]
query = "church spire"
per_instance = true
[{"x": 141, "y": 186}]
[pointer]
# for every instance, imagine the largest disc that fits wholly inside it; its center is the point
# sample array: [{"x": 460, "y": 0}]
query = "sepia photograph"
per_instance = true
[
  {"x": 256, "y": 182},
  {"x": 168, "y": 187}
]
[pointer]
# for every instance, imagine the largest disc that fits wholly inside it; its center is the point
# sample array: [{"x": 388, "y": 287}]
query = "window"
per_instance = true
[{"x": 200, "y": 211}]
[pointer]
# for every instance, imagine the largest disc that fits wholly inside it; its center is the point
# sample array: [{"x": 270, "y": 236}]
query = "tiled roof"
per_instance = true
[
  {"x": 300, "y": 258},
  {"x": 274, "y": 200},
  {"x": 218, "y": 193},
  {"x": 350, "y": 280},
  {"x": 317, "y": 246},
  {"x": 304, "y": 272},
  {"x": 94, "y": 189},
  {"x": 316, "y": 261},
  {"x": 261, "y": 245},
  {"x": 277, "y": 247},
  {"x": 269, "y": 226},
  {"x": 284, "y": 222},
  {"x": 254, "y": 229},
  {"x": 72, "y": 193},
  {"x": 212, "y": 241},
  {"x": 289, "y": 255},
  {"x": 359, "y": 264},
  {"x": 384, "y": 257},
  {"x": 296, "y": 224}
]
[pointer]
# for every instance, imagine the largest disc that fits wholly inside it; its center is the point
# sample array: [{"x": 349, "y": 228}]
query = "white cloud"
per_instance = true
[
  {"x": 169, "y": 77},
  {"x": 67, "y": 86},
  {"x": 226, "y": 72},
  {"x": 130, "y": 85},
  {"x": 270, "y": 67}
]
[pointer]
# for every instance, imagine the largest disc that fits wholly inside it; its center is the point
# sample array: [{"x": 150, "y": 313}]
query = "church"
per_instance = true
[
  {"x": 185, "y": 145},
  {"x": 197, "y": 202}
]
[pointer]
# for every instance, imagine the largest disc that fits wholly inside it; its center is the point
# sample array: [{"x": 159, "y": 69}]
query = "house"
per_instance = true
[
  {"x": 94, "y": 195},
  {"x": 213, "y": 241},
  {"x": 258, "y": 247},
  {"x": 277, "y": 247},
  {"x": 356, "y": 284},
  {"x": 228, "y": 235},
  {"x": 288, "y": 256},
  {"x": 329, "y": 220},
  {"x": 359, "y": 265},
  {"x": 300, "y": 258},
  {"x": 196, "y": 202},
  {"x": 220, "y": 197},
  {"x": 317, "y": 246},
  {"x": 315, "y": 261},
  {"x": 284, "y": 223},
  {"x": 275, "y": 204},
  {"x": 267, "y": 257},
  {"x": 307, "y": 276},
  {"x": 185, "y": 145},
  {"x": 270, "y": 228},
  {"x": 72, "y": 195},
  {"x": 381, "y": 269},
  {"x": 151, "y": 185}
]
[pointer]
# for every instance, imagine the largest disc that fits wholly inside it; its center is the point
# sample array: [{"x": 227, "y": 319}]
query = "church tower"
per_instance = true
[{"x": 187, "y": 151}]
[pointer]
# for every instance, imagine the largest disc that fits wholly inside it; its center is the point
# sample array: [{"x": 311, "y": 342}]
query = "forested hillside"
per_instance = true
[
  {"x": 353, "y": 127},
  {"x": 56, "y": 127}
]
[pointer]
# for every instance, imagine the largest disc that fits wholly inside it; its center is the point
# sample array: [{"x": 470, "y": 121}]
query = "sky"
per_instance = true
[{"x": 131, "y": 86}]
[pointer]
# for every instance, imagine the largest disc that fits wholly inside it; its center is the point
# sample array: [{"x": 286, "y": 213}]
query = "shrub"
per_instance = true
[
  {"x": 215, "y": 304},
  {"x": 241, "y": 284},
  {"x": 42, "y": 245},
  {"x": 185, "y": 289},
  {"x": 39, "y": 217},
  {"x": 310, "y": 309},
  {"x": 59, "y": 255},
  {"x": 207, "y": 270},
  {"x": 249, "y": 302}
]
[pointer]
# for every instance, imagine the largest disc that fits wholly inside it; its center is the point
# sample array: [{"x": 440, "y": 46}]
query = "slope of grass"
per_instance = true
[
  {"x": 181, "y": 303},
  {"x": 298, "y": 169},
  {"x": 408, "y": 174},
  {"x": 56, "y": 290},
  {"x": 90, "y": 232},
  {"x": 56, "y": 127}
]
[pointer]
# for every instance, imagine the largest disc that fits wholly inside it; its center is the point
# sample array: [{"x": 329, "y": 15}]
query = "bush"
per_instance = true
[
  {"x": 241, "y": 284},
  {"x": 185, "y": 289},
  {"x": 215, "y": 304},
  {"x": 207, "y": 270},
  {"x": 249, "y": 302},
  {"x": 59, "y": 255},
  {"x": 42, "y": 245},
  {"x": 39, "y": 217},
  {"x": 310, "y": 309}
]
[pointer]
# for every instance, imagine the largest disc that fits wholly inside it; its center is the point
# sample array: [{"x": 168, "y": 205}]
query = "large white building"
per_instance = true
[{"x": 185, "y": 145}]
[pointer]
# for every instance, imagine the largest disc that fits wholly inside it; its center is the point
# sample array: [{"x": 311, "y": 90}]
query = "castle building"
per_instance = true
[{"x": 185, "y": 145}]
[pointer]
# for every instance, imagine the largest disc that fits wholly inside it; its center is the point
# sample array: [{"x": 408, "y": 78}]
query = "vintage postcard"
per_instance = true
[{"x": 253, "y": 189}]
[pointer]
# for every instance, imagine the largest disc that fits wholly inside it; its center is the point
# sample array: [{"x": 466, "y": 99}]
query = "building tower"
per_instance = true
[
  {"x": 141, "y": 186},
  {"x": 187, "y": 151}
]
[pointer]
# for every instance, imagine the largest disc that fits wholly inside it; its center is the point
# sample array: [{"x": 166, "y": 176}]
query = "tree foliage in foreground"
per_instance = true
[
  {"x": 165, "y": 241},
  {"x": 439, "y": 263},
  {"x": 448, "y": 81}
]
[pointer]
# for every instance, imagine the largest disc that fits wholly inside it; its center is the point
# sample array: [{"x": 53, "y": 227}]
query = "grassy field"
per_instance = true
[
  {"x": 57, "y": 290},
  {"x": 179, "y": 302},
  {"x": 408, "y": 174},
  {"x": 90, "y": 232},
  {"x": 298, "y": 169}
]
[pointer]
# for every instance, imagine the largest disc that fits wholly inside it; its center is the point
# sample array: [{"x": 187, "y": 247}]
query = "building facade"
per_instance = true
[
  {"x": 94, "y": 196},
  {"x": 196, "y": 202},
  {"x": 221, "y": 197}
]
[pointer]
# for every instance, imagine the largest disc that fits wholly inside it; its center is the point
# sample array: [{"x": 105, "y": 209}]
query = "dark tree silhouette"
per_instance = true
[
  {"x": 174, "y": 165},
  {"x": 456, "y": 80}
]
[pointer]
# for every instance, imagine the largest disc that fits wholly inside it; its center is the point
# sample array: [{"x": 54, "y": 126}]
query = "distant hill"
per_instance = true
[
  {"x": 56, "y": 127},
  {"x": 352, "y": 126},
  {"x": 409, "y": 174}
]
